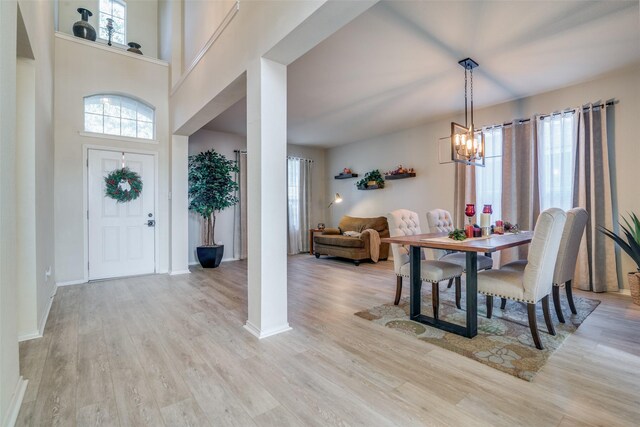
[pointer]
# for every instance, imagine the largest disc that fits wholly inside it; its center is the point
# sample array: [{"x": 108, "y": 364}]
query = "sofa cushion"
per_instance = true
[
  {"x": 344, "y": 241},
  {"x": 350, "y": 223}
]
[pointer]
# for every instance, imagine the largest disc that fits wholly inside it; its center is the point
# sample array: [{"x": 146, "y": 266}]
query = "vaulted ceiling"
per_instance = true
[{"x": 396, "y": 65}]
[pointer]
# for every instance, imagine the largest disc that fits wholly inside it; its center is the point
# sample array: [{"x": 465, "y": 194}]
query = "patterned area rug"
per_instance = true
[{"x": 503, "y": 342}]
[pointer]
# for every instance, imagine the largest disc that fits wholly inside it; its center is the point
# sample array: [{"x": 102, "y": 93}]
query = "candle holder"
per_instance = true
[{"x": 109, "y": 30}]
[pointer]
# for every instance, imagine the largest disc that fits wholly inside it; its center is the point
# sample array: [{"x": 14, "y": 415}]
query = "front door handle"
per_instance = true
[{"x": 151, "y": 223}]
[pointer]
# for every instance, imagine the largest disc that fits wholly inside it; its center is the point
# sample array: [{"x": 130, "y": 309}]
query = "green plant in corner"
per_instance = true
[
  {"x": 631, "y": 231},
  {"x": 211, "y": 188},
  {"x": 373, "y": 175}
]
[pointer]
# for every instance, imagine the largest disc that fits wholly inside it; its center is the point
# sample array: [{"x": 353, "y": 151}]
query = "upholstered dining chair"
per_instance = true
[
  {"x": 403, "y": 222},
  {"x": 567, "y": 257},
  {"x": 534, "y": 283},
  {"x": 439, "y": 221}
]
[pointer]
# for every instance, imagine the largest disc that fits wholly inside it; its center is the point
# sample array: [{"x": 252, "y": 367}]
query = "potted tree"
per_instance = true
[
  {"x": 211, "y": 189},
  {"x": 631, "y": 232}
]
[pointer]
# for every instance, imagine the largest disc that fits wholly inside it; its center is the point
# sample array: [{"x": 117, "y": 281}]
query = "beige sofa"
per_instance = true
[{"x": 333, "y": 242}]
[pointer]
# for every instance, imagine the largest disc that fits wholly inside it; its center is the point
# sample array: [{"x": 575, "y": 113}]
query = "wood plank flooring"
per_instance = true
[{"x": 171, "y": 350}]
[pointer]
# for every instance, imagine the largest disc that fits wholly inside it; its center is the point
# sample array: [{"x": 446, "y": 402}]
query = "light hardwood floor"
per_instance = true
[{"x": 161, "y": 350}]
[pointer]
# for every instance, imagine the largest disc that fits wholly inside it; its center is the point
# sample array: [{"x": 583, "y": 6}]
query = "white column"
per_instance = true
[
  {"x": 267, "y": 197},
  {"x": 179, "y": 205}
]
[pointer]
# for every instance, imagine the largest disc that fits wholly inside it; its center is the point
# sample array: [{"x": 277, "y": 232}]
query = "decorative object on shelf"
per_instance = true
[
  {"x": 336, "y": 199},
  {"x": 211, "y": 189},
  {"x": 467, "y": 143},
  {"x": 499, "y": 228},
  {"x": 631, "y": 231},
  {"x": 458, "y": 234},
  {"x": 82, "y": 28},
  {"x": 321, "y": 226},
  {"x": 109, "y": 30},
  {"x": 372, "y": 180},
  {"x": 123, "y": 185},
  {"x": 400, "y": 173},
  {"x": 134, "y": 47},
  {"x": 346, "y": 173}
]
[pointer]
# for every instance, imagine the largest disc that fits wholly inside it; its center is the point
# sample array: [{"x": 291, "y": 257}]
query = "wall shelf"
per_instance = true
[
  {"x": 400, "y": 176},
  {"x": 346, "y": 176},
  {"x": 371, "y": 187}
]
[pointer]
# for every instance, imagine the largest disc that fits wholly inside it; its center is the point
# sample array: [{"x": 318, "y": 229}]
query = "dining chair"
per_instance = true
[
  {"x": 403, "y": 222},
  {"x": 440, "y": 221},
  {"x": 567, "y": 257},
  {"x": 534, "y": 282}
]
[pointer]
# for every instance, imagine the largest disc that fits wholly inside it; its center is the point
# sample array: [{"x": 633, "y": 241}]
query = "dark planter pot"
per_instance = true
[
  {"x": 82, "y": 28},
  {"x": 210, "y": 256},
  {"x": 135, "y": 48}
]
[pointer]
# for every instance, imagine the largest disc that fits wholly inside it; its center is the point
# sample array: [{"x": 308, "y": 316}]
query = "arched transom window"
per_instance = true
[{"x": 118, "y": 115}]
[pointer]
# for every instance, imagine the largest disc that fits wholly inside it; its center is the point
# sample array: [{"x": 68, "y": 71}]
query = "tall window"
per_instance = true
[
  {"x": 489, "y": 178},
  {"x": 118, "y": 115},
  {"x": 116, "y": 10},
  {"x": 556, "y": 136},
  {"x": 298, "y": 208}
]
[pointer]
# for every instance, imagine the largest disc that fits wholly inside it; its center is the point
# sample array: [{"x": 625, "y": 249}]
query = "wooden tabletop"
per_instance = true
[{"x": 491, "y": 244}]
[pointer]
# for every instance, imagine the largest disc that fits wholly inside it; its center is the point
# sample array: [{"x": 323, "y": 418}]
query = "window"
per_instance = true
[
  {"x": 556, "y": 136},
  {"x": 489, "y": 178},
  {"x": 116, "y": 10},
  {"x": 118, "y": 115}
]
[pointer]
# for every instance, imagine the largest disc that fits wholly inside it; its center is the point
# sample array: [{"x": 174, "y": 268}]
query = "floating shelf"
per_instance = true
[
  {"x": 371, "y": 187},
  {"x": 346, "y": 176},
  {"x": 400, "y": 176}
]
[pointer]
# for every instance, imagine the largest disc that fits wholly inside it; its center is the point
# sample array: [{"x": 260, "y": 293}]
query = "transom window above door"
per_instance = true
[
  {"x": 116, "y": 10},
  {"x": 118, "y": 115}
]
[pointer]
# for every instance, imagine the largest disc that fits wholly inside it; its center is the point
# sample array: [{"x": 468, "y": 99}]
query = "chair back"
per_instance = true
[
  {"x": 439, "y": 221},
  {"x": 570, "y": 245},
  {"x": 543, "y": 252},
  {"x": 402, "y": 222}
]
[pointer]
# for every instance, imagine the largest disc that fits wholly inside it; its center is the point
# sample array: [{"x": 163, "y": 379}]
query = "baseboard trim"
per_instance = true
[
  {"x": 39, "y": 333},
  {"x": 72, "y": 282},
  {"x": 179, "y": 272},
  {"x": 16, "y": 402},
  {"x": 268, "y": 333}
]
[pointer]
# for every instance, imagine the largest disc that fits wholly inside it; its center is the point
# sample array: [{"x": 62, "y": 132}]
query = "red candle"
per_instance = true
[{"x": 468, "y": 230}]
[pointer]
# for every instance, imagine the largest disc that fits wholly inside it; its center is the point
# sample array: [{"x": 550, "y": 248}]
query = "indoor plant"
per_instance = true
[
  {"x": 371, "y": 180},
  {"x": 631, "y": 246},
  {"x": 211, "y": 189}
]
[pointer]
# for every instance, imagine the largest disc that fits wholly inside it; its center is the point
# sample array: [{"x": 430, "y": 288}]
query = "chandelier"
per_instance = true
[{"x": 467, "y": 143}]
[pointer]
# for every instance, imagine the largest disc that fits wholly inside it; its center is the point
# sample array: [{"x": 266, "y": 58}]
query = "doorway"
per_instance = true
[{"x": 121, "y": 235}]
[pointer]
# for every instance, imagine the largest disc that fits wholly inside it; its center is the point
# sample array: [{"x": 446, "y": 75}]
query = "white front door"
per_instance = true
[{"x": 121, "y": 235}]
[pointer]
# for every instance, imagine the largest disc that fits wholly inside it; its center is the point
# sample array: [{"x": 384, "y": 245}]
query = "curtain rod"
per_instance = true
[
  {"x": 570, "y": 110},
  {"x": 300, "y": 158}
]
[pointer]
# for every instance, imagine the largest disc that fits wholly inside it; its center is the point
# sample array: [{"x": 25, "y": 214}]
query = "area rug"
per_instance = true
[{"x": 503, "y": 342}]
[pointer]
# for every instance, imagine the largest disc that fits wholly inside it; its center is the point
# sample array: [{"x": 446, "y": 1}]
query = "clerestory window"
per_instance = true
[{"x": 116, "y": 10}]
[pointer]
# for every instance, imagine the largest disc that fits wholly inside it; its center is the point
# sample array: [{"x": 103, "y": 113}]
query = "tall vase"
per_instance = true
[{"x": 82, "y": 28}]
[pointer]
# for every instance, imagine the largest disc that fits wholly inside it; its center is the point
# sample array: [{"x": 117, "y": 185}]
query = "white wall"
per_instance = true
[
  {"x": 434, "y": 185},
  {"x": 201, "y": 18},
  {"x": 126, "y": 74},
  {"x": 225, "y": 143},
  {"x": 142, "y": 22}
]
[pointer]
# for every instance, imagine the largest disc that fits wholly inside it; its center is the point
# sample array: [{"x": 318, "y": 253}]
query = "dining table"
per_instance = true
[{"x": 471, "y": 247}]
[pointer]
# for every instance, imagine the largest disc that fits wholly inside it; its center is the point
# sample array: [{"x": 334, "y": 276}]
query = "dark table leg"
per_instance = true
[
  {"x": 415, "y": 281},
  {"x": 472, "y": 294}
]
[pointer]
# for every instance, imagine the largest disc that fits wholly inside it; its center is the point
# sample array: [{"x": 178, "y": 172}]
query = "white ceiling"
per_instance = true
[{"x": 396, "y": 65}]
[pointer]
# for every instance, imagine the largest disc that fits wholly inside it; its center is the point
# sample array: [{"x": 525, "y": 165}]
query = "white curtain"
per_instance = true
[
  {"x": 489, "y": 179},
  {"x": 298, "y": 197},
  {"x": 240, "y": 218},
  {"x": 556, "y": 157}
]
